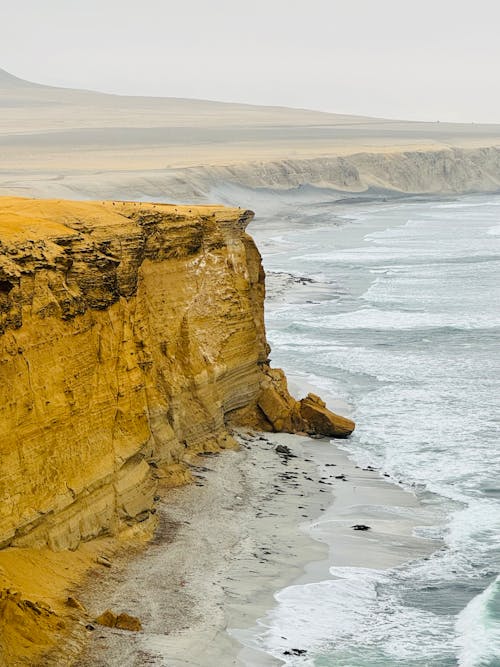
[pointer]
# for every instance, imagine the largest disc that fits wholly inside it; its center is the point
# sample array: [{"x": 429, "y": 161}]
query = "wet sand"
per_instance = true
[{"x": 255, "y": 522}]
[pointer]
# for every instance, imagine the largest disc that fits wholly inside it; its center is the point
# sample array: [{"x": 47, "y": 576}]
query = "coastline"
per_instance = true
[
  {"x": 254, "y": 523},
  {"x": 207, "y": 587}
]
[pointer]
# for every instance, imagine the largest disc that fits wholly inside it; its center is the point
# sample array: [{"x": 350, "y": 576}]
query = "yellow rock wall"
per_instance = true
[
  {"x": 129, "y": 335},
  {"x": 127, "y": 332}
]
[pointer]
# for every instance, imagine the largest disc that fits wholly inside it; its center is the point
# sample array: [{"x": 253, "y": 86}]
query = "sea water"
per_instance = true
[{"x": 406, "y": 330}]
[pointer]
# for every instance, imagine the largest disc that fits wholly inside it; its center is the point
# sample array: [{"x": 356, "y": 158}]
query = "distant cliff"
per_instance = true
[
  {"x": 386, "y": 172},
  {"x": 131, "y": 335}
]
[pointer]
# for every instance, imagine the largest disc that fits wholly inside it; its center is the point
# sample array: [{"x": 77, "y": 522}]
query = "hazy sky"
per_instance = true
[{"x": 416, "y": 59}]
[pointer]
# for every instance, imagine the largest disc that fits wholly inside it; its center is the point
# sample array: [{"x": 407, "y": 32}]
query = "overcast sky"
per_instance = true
[{"x": 425, "y": 59}]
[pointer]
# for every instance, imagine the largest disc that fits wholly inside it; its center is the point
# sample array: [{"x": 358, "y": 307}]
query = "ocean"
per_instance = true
[{"x": 403, "y": 330}]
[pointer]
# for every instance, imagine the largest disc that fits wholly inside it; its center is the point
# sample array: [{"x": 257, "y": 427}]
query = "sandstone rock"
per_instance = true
[
  {"x": 127, "y": 333},
  {"x": 276, "y": 403},
  {"x": 281, "y": 412},
  {"x": 131, "y": 336},
  {"x": 275, "y": 409},
  {"x": 103, "y": 560},
  {"x": 74, "y": 603},
  {"x": 127, "y": 622},
  {"x": 322, "y": 421},
  {"x": 121, "y": 621},
  {"x": 316, "y": 400},
  {"x": 26, "y": 628},
  {"x": 108, "y": 618}
]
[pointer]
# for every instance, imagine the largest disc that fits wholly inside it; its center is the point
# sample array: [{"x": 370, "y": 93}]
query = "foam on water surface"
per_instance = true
[
  {"x": 478, "y": 629},
  {"x": 409, "y": 339}
]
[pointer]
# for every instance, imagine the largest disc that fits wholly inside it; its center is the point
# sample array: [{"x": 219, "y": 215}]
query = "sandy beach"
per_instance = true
[{"x": 254, "y": 522}]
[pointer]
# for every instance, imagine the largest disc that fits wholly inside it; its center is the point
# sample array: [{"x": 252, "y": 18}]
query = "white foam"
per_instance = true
[
  {"x": 351, "y": 610},
  {"x": 411, "y": 345},
  {"x": 478, "y": 630},
  {"x": 374, "y": 318}
]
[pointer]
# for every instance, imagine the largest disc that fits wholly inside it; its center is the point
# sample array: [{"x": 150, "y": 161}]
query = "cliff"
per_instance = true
[
  {"x": 392, "y": 172},
  {"x": 131, "y": 335}
]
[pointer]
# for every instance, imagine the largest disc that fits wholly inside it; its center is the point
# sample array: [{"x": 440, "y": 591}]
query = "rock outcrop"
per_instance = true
[
  {"x": 127, "y": 332},
  {"x": 131, "y": 336},
  {"x": 122, "y": 621},
  {"x": 276, "y": 410}
]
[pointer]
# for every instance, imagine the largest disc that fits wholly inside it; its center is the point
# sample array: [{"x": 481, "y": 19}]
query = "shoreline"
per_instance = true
[
  {"x": 229, "y": 542},
  {"x": 357, "y": 173}
]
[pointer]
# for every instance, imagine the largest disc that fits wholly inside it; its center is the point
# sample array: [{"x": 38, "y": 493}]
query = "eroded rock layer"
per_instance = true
[{"x": 129, "y": 335}]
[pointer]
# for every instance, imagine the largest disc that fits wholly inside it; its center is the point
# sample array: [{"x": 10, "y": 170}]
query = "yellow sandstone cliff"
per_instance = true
[{"x": 130, "y": 336}]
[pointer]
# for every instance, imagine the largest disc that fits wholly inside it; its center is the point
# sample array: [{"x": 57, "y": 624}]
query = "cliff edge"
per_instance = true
[{"x": 131, "y": 336}]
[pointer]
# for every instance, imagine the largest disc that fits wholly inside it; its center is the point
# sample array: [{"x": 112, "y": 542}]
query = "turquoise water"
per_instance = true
[{"x": 405, "y": 330}]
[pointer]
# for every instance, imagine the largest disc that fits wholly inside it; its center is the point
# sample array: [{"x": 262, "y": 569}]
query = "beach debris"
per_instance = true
[
  {"x": 360, "y": 526},
  {"x": 75, "y": 603},
  {"x": 121, "y": 621},
  {"x": 342, "y": 476},
  {"x": 288, "y": 477},
  {"x": 200, "y": 468},
  {"x": 285, "y": 451},
  {"x": 103, "y": 560}
]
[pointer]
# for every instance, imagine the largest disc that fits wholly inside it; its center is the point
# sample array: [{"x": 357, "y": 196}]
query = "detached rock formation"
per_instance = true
[
  {"x": 121, "y": 621},
  {"x": 131, "y": 335},
  {"x": 276, "y": 410}
]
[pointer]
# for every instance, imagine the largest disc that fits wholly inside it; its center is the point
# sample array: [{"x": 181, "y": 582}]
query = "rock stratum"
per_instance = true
[
  {"x": 131, "y": 338},
  {"x": 388, "y": 172}
]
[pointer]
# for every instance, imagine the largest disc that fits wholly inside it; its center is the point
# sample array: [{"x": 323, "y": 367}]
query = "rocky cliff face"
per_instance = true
[
  {"x": 391, "y": 172},
  {"x": 130, "y": 334}
]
